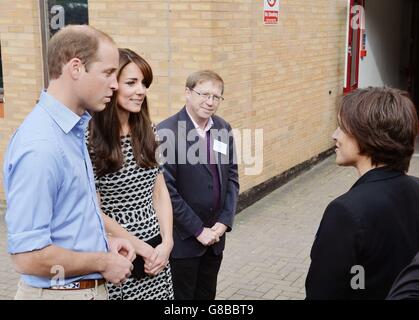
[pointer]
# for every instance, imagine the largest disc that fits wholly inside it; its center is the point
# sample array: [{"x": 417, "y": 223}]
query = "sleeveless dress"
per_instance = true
[{"x": 126, "y": 196}]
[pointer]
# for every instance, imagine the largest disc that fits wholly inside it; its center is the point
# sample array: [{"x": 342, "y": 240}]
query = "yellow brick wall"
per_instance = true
[
  {"x": 277, "y": 78},
  {"x": 22, "y": 66}
]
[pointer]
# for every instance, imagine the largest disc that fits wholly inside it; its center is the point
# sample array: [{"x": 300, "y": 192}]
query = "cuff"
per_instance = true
[
  {"x": 28, "y": 241},
  {"x": 198, "y": 232}
]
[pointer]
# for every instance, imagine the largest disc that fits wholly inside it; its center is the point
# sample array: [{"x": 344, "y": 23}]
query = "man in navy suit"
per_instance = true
[{"x": 202, "y": 177}]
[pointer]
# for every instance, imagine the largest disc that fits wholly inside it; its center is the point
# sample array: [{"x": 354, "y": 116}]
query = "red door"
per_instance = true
[{"x": 356, "y": 23}]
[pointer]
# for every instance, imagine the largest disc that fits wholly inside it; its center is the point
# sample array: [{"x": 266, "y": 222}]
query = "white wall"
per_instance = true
[{"x": 385, "y": 42}]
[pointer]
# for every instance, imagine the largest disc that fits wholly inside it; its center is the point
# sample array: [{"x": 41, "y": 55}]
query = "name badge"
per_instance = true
[{"x": 220, "y": 147}]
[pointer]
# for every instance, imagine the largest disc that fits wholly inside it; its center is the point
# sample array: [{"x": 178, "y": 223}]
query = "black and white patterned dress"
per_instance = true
[{"x": 126, "y": 196}]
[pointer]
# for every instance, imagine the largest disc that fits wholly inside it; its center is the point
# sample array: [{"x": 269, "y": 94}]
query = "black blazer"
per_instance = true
[
  {"x": 374, "y": 225},
  {"x": 190, "y": 184},
  {"x": 406, "y": 286}
]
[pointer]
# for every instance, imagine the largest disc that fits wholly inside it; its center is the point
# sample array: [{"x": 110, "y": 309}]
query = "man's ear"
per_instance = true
[
  {"x": 74, "y": 68},
  {"x": 187, "y": 92}
]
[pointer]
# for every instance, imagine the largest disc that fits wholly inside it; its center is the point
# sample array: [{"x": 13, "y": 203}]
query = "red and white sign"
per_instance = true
[{"x": 270, "y": 11}]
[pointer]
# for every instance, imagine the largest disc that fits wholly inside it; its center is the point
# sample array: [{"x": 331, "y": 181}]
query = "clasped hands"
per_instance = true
[
  {"x": 209, "y": 236},
  {"x": 155, "y": 259}
]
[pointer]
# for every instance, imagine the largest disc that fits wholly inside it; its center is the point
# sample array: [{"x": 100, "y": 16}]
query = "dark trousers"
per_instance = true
[{"x": 196, "y": 278}]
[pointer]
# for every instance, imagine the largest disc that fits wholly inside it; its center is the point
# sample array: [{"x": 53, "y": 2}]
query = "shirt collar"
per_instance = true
[
  {"x": 62, "y": 115},
  {"x": 201, "y": 132}
]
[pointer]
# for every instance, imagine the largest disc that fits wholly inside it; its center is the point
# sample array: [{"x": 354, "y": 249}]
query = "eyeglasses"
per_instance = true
[{"x": 206, "y": 96}]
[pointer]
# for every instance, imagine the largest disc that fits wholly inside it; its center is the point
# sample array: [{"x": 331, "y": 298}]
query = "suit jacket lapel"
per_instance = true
[{"x": 217, "y": 156}]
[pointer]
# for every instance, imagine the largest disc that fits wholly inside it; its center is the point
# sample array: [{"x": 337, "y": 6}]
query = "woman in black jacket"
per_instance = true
[{"x": 369, "y": 234}]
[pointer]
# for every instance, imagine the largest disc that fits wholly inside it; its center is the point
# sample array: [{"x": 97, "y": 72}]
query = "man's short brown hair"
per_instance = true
[
  {"x": 203, "y": 76},
  {"x": 73, "y": 41},
  {"x": 384, "y": 122}
]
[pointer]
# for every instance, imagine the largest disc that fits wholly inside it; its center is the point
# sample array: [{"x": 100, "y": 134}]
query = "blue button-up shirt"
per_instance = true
[{"x": 50, "y": 189}]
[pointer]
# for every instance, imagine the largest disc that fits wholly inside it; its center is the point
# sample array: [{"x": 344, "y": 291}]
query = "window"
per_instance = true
[{"x": 55, "y": 14}]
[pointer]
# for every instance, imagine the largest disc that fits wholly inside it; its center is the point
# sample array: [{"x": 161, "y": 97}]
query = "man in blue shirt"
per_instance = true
[{"x": 56, "y": 235}]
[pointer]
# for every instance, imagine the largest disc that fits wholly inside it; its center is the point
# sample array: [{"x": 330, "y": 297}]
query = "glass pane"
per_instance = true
[{"x": 65, "y": 12}]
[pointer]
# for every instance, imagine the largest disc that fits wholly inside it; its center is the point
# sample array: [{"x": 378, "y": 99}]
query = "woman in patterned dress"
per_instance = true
[{"x": 131, "y": 189}]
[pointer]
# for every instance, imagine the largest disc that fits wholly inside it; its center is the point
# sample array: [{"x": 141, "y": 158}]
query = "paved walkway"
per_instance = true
[{"x": 267, "y": 253}]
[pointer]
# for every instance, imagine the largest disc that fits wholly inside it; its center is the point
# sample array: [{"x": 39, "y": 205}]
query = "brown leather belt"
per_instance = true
[{"x": 80, "y": 285}]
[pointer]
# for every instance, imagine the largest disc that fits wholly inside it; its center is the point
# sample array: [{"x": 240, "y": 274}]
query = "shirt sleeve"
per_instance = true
[{"x": 32, "y": 178}]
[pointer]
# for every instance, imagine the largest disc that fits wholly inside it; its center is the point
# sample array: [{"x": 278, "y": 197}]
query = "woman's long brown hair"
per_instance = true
[{"x": 105, "y": 128}]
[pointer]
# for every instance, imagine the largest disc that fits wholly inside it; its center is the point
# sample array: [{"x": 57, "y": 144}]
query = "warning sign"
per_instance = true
[{"x": 270, "y": 11}]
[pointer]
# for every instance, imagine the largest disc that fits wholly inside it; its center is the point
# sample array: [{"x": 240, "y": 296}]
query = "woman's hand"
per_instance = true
[
  {"x": 146, "y": 251},
  {"x": 159, "y": 260}
]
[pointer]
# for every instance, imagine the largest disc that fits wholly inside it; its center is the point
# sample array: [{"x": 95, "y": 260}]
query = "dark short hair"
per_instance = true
[{"x": 384, "y": 122}]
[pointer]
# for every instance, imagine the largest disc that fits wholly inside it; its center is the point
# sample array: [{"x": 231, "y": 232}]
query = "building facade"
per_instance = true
[{"x": 281, "y": 79}]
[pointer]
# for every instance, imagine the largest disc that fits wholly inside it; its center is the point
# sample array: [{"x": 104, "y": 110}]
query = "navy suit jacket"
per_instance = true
[
  {"x": 374, "y": 225},
  {"x": 190, "y": 183}
]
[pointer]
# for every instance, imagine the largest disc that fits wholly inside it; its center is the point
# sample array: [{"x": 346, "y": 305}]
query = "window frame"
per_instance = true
[
  {"x": 353, "y": 50},
  {"x": 1, "y": 87}
]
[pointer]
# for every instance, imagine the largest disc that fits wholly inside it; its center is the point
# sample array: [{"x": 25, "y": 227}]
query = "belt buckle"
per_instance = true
[{"x": 68, "y": 286}]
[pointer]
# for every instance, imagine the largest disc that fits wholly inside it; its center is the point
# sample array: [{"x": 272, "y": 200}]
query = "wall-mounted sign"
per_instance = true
[
  {"x": 55, "y": 14},
  {"x": 270, "y": 11}
]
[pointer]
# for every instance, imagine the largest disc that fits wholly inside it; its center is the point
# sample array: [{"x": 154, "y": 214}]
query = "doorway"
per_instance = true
[
  {"x": 391, "y": 56},
  {"x": 355, "y": 24},
  {"x": 413, "y": 60}
]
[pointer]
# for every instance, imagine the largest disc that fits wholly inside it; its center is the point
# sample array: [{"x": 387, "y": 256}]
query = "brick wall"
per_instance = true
[
  {"x": 22, "y": 65},
  {"x": 277, "y": 78}
]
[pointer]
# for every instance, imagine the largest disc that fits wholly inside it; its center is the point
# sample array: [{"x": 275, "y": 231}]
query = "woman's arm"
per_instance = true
[
  {"x": 163, "y": 207},
  {"x": 334, "y": 253},
  {"x": 115, "y": 229}
]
